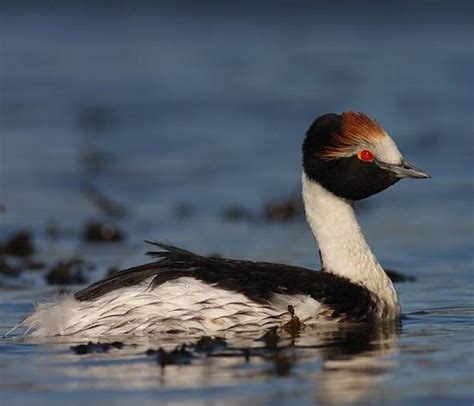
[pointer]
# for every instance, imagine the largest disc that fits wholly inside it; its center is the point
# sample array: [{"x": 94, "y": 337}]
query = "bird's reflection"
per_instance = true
[
  {"x": 357, "y": 360},
  {"x": 338, "y": 364}
]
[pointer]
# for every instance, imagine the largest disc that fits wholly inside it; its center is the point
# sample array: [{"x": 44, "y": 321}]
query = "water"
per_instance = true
[{"x": 177, "y": 114}]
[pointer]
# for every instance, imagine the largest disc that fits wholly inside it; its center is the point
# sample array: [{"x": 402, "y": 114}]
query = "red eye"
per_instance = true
[{"x": 365, "y": 155}]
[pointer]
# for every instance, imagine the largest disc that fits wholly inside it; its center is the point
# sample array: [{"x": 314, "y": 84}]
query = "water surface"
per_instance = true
[{"x": 178, "y": 115}]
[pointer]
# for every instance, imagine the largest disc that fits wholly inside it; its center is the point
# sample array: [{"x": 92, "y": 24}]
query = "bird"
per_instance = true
[{"x": 346, "y": 157}]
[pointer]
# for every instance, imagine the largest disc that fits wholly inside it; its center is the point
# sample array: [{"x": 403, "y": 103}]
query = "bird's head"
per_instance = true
[{"x": 351, "y": 156}]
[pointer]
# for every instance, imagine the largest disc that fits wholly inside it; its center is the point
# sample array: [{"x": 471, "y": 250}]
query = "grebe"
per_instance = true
[{"x": 346, "y": 158}]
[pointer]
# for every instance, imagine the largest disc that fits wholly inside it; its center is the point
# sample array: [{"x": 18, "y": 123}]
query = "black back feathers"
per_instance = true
[{"x": 259, "y": 281}]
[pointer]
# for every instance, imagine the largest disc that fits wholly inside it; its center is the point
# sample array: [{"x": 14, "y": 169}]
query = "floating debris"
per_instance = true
[
  {"x": 207, "y": 344},
  {"x": 19, "y": 244},
  {"x": 179, "y": 356},
  {"x": 67, "y": 273},
  {"x": 91, "y": 347},
  {"x": 285, "y": 210},
  {"x": 96, "y": 231}
]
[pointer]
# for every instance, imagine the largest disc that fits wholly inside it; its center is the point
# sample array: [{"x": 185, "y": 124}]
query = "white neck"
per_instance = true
[{"x": 344, "y": 251}]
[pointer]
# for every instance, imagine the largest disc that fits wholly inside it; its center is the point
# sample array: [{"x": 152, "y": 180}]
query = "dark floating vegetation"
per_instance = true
[
  {"x": 291, "y": 208},
  {"x": 67, "y": 273},
  {"x": 20, "y": 244},
  {"x": 97, "y": 231},
  {"x": 287, "y": 209},
  {"x": 91, "y": 347},
  {"x": 206, "y": 346},
  {"x": 15, "y": 257},
  {"x": 179, "y": 356},
  {"x": 183, "y": 354}
]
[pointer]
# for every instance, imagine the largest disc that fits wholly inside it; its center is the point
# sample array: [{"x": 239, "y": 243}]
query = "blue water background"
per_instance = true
[{"x": 193, "y": 108}]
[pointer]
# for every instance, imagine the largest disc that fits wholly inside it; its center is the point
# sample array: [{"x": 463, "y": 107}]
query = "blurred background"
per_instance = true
[
  {"x": 168, "y": 118},
  {"x": 183, "y": 121}
]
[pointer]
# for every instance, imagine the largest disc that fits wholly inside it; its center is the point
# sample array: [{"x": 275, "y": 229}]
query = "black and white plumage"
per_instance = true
[{"x": 346, "y": 157}]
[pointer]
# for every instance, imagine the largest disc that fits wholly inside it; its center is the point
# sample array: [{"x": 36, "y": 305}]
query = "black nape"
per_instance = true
[{"x": 319, "y": 134}]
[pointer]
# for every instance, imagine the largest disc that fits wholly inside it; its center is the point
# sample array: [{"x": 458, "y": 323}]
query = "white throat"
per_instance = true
[{"x": 344, "y": 251}]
